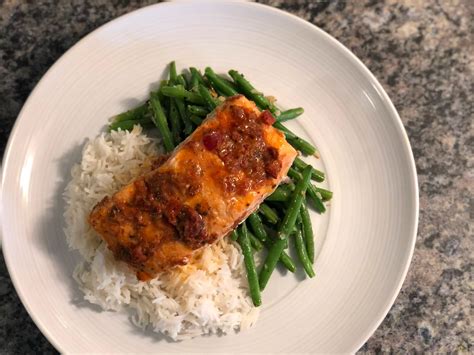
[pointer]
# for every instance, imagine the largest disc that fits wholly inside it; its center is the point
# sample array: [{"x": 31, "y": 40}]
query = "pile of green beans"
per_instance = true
[{"x": 180, "y": 105}]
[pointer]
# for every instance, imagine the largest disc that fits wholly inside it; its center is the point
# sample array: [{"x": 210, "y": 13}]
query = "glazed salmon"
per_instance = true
[{"x": 211, "y": 182}]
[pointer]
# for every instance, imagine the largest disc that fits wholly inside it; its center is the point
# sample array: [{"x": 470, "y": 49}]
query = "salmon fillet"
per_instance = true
[{"x": 211, "y": 182}]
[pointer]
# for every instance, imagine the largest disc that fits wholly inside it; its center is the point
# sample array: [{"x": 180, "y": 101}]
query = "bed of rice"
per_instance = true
[{"x": 207, "y": 296}]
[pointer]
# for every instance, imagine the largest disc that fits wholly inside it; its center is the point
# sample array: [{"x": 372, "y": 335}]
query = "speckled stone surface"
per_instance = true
[{"x": 422, "y": 51}]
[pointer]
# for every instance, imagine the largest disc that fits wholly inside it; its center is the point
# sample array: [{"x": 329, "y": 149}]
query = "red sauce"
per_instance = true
[
  {"x": 242, "y": 148},
  {"x": 158, "y": 195},
  {"x": 190, "y": 226},
  {"x": 211, "y": 140},
  {"x": 267, "y": 117},
  {"x": 272, "y": 164}
]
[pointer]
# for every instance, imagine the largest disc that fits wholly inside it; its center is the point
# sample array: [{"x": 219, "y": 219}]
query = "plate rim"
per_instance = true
[{"x": 349, "y": 54}]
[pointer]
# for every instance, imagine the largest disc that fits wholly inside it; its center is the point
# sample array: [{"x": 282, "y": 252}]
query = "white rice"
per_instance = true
[{"x": 206, "y": 296}]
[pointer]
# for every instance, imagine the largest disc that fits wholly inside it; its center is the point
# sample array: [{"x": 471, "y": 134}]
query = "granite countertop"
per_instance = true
[{"x": 423, "y": 54}]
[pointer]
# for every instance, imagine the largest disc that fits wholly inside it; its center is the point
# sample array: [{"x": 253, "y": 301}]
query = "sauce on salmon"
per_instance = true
[{"x": 211, "y": 182}]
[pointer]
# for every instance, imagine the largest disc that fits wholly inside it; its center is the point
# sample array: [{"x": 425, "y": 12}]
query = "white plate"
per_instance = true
[{"x": 365, "y": 242}]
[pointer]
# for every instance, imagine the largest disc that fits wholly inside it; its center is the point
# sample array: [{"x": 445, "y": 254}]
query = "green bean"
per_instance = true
[
  {"x": 261, "y": 234},
  {"x": 316, "y": 174},
  {"x": 187, "y": 80},
  {"x": 163, "y": 83},
  {"x": 326, "y": 195},
  {"x": 188, "y": 129},
  {"x": 290, "y": 114},
  {"x": 285, "y": 259},
  {"x": 183, "y": 113},
  {"x": 230, "y": 83},
  {"x": 198, "y": 110},
  {"x": 181, "y": 81},
  {"x": 172, "y": 72},
  {"x": 282, "y": 193},
  {"x": 251, "y": 93},
  {"x": 316, "y": 198},
  {"x": 128, "y": 125},
  {"x": 287, "y": 262},
  {"x": 307, "y": 230},
  {"x": 286, "y": 131},
  {"x": 159, "y": 119},
  {"x": 303, "y": 256},
  {"x": 175, "y": 123},
  {"x": 234, "y": 235},
  {"x": 136, "y": 113},
  {"x": 195, "y": 119},
  {"x": 269, "y": 213},
  {"x": 274, "y": 254},
  {"x": 311, "y": 191},
  {"x": 197, "y": 78},
  {"x": 257, "y": 227},
  {"x": 296, "y": 200},
  {"x": 206, "y": 95},
  {"x": 298, "y": 221},
  {"x": 219, "y": 84},
  {"x": 255, "y": 242},
  {"x": 294, "y": 174},
  {"x": 179, "y": 103},
  {"x": 298, "y": 143},
  {"x": 180, "y": 92},
  {"x": 165, "y": 101},
  {"x": 303, "y": 146},
  {"x": 252, "y": 276}
]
